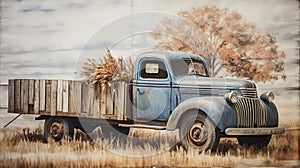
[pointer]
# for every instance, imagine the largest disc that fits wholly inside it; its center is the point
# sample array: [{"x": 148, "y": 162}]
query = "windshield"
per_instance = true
[{"x": 183, "y": 67}]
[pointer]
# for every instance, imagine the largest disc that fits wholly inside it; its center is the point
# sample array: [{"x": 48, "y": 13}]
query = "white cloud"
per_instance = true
[{"x": 52, "y": 32}]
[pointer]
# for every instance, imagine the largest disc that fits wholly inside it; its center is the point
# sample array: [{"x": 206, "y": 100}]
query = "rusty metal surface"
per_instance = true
[{"x": 254, "y": 131}]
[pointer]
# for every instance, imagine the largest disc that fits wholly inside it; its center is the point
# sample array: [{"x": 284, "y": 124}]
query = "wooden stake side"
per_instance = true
[
  {"x": 11, "y": 96},
  {"x": 17, "y": 95},
  {"x": 42, "y": 101},
  {"x": 65, "y": 96},
  {"x": 25, "y": 97},
  {"x": 53, "y": 108},
  {"x": 109, "y": 101},
  {"x": 36, "y": 100},
  {"x": 59, "y": 96},
  {"x": 31, "y": 92},
  {"x": 103, "y": 99},
  {"x": 48, "y": 96}
]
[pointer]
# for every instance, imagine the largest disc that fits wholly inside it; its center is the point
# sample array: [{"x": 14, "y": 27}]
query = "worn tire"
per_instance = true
[
  {"x": 57, "y": 128},
  {"x": 258, "y": 141},
  {"x": 201, "y": 134}
]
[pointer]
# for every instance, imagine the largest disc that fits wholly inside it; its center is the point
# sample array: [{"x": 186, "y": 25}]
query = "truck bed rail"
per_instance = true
[{"x": 68, "y": 98}]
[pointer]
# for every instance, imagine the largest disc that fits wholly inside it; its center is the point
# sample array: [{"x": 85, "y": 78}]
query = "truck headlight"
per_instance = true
[
  {"x": 231, "y": 97},
  {"x": 268, "y": 96}
]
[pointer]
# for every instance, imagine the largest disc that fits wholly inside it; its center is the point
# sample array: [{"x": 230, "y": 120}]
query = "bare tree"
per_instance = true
[{"x": 225, "y": 40}]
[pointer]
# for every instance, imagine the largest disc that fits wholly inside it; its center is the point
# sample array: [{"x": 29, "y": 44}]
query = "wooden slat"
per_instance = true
[
  {"x": 90, "y": 102},
  {"x": 25, "y": 91},
  {"x": 36, "y": 101},
  {"x": 22, "y": 95},
  {"x": 48, "y": 95},
  {"x": 118, "y": 100},
  {"x": 53, "y": 108},
  {"x": 121, "y": 101},
  {"x": 84, "y": 97},
  {"x": 42, "y": 106},
  {"x": 70, "y": 96},
  {"x": 75, "y": 96},
  {"x": 109, "y": 101},
  {"x": 31, "y": 92},
  {"x": 103, "y": 99},
  {"x": 115, "y": 98},
  {"x": 11, "y": 96},
  {"x": 17, "y": 95},
  {"x": 59, "y": 95},
  {"x": 95, "y": 101},
  {"x": 65, "y": 96}
]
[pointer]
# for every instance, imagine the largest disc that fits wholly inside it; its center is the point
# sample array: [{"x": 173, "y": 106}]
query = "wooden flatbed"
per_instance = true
[{"x": 68, "y": 98}]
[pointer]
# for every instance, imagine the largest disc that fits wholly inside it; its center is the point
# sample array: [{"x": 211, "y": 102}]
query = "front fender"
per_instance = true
[
  {"x": 215, "y": 108},
  {"x": 272, "y": 114}
]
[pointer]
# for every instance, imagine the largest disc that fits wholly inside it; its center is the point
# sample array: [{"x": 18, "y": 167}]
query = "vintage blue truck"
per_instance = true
[{"x": 168, "y": 91}]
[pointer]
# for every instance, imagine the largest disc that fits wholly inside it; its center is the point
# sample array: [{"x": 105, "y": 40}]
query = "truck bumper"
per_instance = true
[{"x": 254, "y": 131}]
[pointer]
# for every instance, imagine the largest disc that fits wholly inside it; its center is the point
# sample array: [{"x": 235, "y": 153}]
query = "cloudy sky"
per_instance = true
[{"x": 51, "y": 39}]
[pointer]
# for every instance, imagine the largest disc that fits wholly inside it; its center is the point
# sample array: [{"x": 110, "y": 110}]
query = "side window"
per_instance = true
[{"x": 153, "y": 69}]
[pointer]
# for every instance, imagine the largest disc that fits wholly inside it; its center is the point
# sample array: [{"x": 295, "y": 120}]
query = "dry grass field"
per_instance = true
[{"x": 25, "y": 148}]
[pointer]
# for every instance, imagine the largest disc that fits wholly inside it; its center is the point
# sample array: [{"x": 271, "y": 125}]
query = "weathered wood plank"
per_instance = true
[
  {"x": 103, "y": 99},
  {"x": 11, "y": 96},
  {"x": 90, "y": 102},
  {"x": 126, "y": 101},
  {"x": 36, "y": 101},
  {"x": 95, "y": 101},
  {"x": 25, "y": 91},
  {"x": 109, "y": 101},
  {"x": 22, "y": 95},
  {"x": 65, "y": 96},
  {"x": 121, "y": 101},
  {"x": 59, "y": 101},
  {"x": 42, "y": 96},
  {"x": 53, "y": 108},
  {"x": 84, "y": 97},
  {"x": 31, "y": 92},
  {"x": 17, "y": 95},
  {"x": 48, "y": 95},
  {"x": 115, "y": 97},
  {"x": 75, "y": 96}
]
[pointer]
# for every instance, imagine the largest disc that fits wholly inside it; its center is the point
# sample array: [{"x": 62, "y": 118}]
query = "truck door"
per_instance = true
[{"x": 152, "y": 91}]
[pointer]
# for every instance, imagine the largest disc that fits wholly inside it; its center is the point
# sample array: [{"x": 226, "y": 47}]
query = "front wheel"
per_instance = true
[
  {"x": 258, "y": 141},
  {"x": 198, "y": 132}
]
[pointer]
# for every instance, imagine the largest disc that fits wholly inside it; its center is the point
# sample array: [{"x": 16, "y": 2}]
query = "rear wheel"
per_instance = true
[
  {"x": 258, "y": 141},
  {"x": 200, "y": 134},
  {"x": 57, "y": 128}
]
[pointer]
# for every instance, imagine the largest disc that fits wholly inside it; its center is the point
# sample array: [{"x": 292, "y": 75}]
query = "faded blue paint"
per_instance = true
[
  {"x": 214, "y": 107},
  {"x": 272, "y": 114},
  {"x": 169, "y": 99},
  {"x": 152, "y": 97}
]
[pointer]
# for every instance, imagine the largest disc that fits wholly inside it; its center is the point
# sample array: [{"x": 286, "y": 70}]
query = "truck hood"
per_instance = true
[{"x": 207, "y": 82}]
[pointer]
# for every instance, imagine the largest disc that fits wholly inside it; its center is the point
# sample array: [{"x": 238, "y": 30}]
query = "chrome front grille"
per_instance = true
[
  {"x": 248, "y": 92},
  {"x": 251, "y": 113}
]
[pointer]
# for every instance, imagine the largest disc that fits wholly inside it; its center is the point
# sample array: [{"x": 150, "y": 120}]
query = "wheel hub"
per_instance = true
[
  {"x": 198, "y": 134},
  {"x": 57, "y": 130}
]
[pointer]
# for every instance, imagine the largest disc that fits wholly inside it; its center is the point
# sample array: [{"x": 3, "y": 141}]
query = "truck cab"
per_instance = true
[{"x": 175, "y": 90}]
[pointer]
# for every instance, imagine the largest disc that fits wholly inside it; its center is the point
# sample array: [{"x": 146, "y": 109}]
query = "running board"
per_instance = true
[{"x": 157, "y": 127}]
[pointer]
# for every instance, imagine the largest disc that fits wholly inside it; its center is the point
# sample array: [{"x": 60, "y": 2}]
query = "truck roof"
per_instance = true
[{"x": 168, "y": 55}]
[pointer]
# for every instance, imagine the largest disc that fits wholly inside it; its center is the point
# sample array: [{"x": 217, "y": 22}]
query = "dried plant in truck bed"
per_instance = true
[{"x": 106, "y": 70}]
